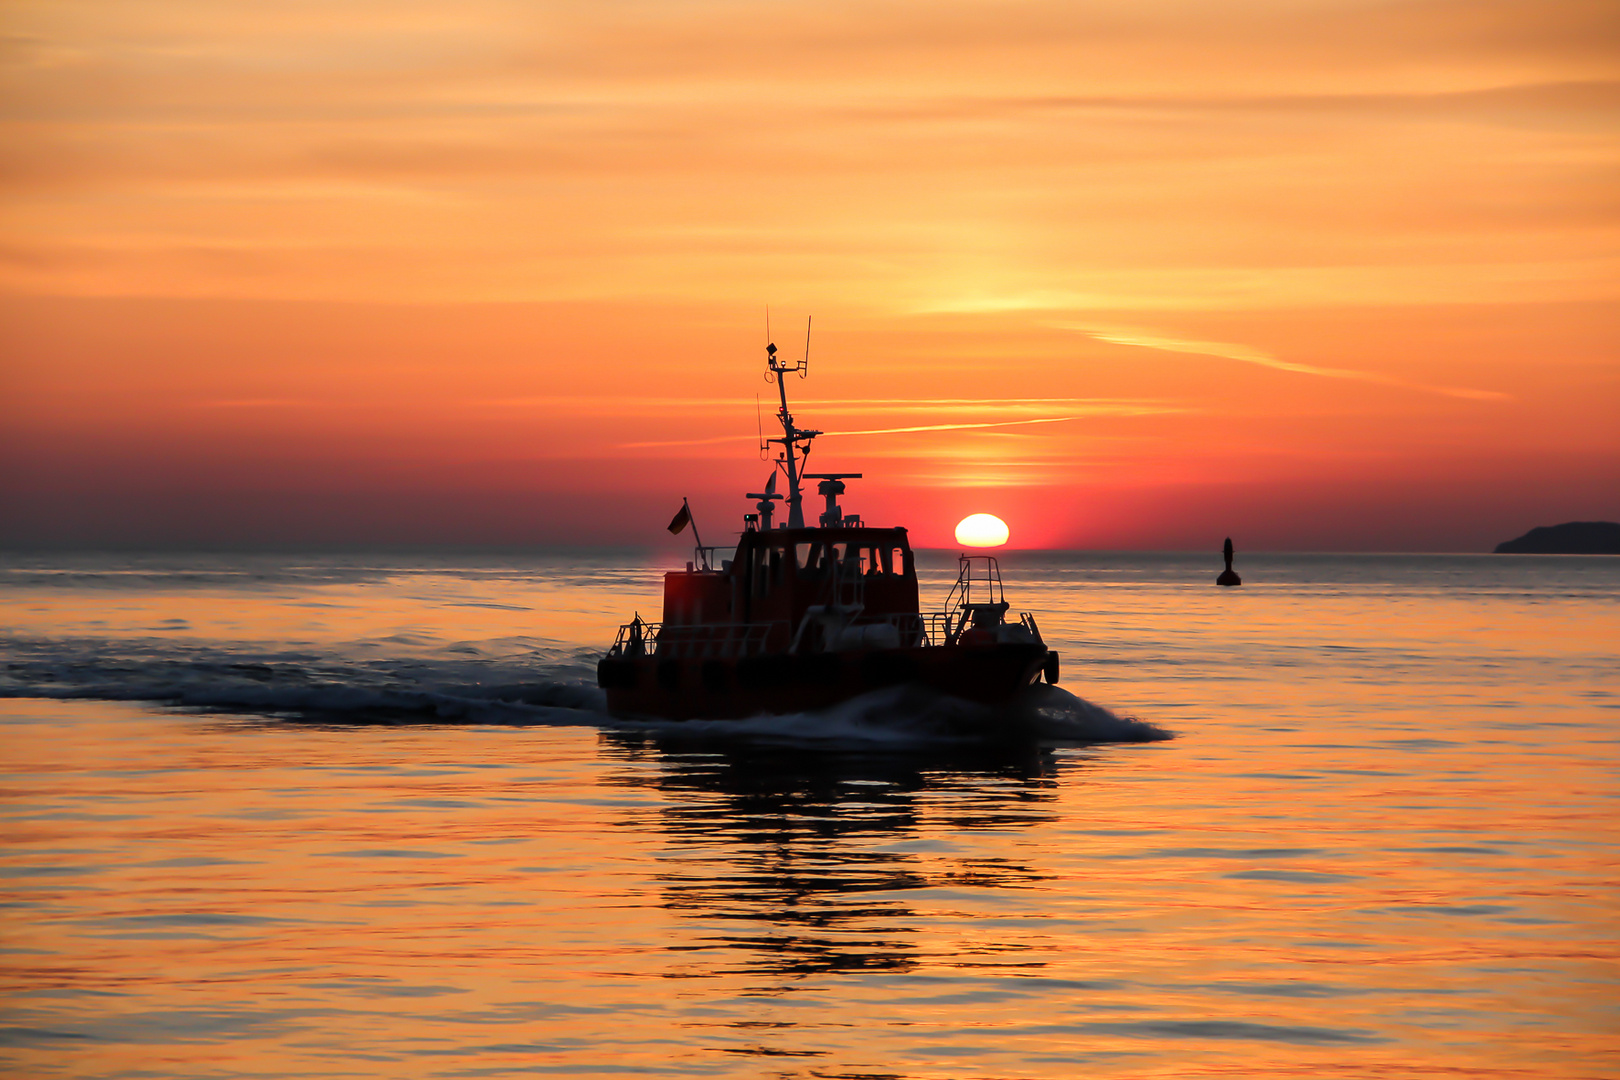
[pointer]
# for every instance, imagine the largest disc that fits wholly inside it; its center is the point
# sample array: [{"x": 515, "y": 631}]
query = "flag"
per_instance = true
[{"x": 681, "y": 520}]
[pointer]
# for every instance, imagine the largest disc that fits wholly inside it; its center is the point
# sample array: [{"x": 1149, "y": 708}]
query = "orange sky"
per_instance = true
[{"x": 1312, "y": 274}]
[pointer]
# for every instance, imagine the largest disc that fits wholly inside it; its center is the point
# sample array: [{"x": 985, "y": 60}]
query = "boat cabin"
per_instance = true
[{"x": 763, "y": 593}]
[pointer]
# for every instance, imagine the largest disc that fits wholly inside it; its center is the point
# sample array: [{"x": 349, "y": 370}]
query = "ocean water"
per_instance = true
[{"x": 307, "y": 815}]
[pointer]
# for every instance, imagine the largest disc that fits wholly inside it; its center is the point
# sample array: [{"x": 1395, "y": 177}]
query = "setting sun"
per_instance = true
[{"x": 981, "y": 530}]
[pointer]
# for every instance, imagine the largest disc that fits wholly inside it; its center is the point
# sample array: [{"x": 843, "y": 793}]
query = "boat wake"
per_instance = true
[
  {"x": 915, "y": 715},
  {"x": 537, "y": 688}
]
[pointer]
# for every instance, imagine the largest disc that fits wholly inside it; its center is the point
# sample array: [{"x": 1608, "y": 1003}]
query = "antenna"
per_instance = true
[
  {"x": 759, "y": 425},
  {"x": 804, "y": 368},
  {"x": 794, "y": 439}
]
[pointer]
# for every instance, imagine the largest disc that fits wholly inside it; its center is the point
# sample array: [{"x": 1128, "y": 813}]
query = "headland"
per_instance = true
[{"x": 1570, "y": 538}]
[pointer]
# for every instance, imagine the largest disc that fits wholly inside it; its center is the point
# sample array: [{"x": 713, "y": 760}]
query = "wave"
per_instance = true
[
  {"x": 914, "y": 715},
  {"x": 532, "y": 689},
  {"x": 297, "y": 684}
]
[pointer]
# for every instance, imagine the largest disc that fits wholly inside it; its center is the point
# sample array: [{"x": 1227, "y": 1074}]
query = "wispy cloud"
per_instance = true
[
  {"x": 958, "y": 427},
  {"x": 1080, "y": 409},
  {"x": 868, "y": 431},
  {"x": 264, "y": 403},
  {"x": 662, "y": 406},
  {"x": 1248, "y": 355}
]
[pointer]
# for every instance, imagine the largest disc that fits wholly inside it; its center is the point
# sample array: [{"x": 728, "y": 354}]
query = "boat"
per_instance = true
[{"x": 805, "y": 616}]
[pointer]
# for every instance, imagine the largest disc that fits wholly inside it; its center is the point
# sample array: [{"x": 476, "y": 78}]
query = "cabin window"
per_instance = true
[
  {"x": 857, "y": 559},
  {"x": 817, "y": 557},
  {"x": 896, "y": 560}
]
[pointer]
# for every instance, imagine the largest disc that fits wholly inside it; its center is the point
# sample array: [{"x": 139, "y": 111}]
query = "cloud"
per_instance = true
[
  {"x": 264, "y": 403},
  {"x": 662, "y": 406},
  {"x": 1078, "y": 409},
  {"x": 1246, "y": 354},
  {"x": 869, "y": 431}
]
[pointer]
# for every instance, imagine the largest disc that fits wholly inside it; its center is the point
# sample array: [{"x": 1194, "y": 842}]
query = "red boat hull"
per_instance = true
[{"x": 688, "y": 689}]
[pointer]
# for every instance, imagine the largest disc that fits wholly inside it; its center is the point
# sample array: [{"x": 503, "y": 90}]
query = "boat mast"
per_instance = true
[{"x": 795, "y": 441}]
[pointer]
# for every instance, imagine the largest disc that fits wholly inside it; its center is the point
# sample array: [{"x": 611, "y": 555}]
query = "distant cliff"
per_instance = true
[{"x": 1570, "y": 538}]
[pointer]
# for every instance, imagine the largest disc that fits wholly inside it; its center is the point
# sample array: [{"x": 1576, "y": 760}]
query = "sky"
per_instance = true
[{"x": 1318, "y": 275}]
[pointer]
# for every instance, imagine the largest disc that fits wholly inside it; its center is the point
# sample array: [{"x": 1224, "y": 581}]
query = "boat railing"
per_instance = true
[
  {"x": 731, "y": 641},
  {"x": 695, "y": 641},
  {"x": 635, "y": 638},
  {"x": 947, "y": 627},
  {"x": 976, "y": 601},
  {"x": 826, "y": 628},
  {"x": 914, "y": 630},
  {"x": 978, "y": 582}
]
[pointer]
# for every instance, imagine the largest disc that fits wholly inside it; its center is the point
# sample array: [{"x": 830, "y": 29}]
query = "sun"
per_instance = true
[{"x": 981, "y": 530}]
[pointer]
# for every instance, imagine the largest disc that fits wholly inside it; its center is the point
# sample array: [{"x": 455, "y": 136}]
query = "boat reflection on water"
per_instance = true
[{"x": 817, "y": 861}]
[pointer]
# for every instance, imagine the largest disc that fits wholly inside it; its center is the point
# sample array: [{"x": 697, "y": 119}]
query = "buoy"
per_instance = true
[{"x": 1228, "y": 576}]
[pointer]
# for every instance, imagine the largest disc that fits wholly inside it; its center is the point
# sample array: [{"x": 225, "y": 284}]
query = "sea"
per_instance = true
[{"x": 365, "y": 815}]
